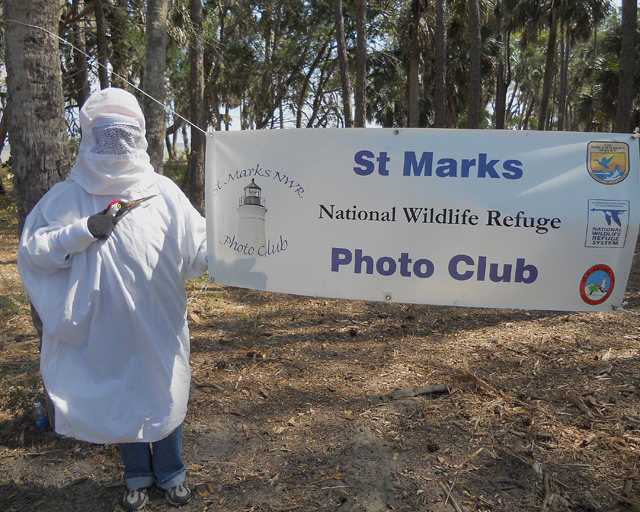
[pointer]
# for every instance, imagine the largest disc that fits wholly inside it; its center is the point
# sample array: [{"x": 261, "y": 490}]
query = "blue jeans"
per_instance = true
[{"x": 159, "y": 462}]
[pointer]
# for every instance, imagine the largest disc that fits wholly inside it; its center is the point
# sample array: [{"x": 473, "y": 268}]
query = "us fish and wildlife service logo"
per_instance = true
[
  {"x": 597, "y": 284},
  {"x": 608, "y": 162}
]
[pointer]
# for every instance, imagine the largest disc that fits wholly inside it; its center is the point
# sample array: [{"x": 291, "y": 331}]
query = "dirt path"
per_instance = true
[{"x": 293, "y": 408}]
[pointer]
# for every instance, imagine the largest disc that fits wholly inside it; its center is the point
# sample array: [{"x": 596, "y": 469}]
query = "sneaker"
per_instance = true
[
  {"x": 135, "y": 499},
  {"x": 178, "y": 495}
]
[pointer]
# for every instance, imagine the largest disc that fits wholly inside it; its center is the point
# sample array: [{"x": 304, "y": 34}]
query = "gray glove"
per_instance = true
[{"x": 101, "y": 225}]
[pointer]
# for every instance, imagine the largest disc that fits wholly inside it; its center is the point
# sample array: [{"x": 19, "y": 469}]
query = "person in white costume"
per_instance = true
[{"x": 115, "y": 343}]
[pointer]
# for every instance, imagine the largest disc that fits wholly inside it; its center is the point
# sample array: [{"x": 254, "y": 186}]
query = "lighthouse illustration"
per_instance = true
[{"x": 252, "y": 212}]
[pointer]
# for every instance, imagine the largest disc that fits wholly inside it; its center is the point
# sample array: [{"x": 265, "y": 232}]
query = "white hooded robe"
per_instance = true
[{"x": 115, "y": 346}]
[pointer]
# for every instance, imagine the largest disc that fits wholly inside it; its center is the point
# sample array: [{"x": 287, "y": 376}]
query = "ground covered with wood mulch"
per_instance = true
[{"x": 308, "y": 404}]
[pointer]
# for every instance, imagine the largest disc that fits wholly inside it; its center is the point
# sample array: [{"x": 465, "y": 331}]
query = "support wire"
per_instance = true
[{"x": 91, "y": 59}]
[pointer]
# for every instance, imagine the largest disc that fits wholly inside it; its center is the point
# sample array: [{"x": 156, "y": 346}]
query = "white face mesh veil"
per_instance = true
[
  {"x": 116, "y": 139},
  {"x": 112, "y": 158}
]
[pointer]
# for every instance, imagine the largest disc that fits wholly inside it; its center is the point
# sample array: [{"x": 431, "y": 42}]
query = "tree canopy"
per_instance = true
[{"x": 515, "y": 64}]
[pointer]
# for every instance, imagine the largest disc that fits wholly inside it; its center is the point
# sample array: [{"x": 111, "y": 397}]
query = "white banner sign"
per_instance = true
[{"x": 481, "y": 218}]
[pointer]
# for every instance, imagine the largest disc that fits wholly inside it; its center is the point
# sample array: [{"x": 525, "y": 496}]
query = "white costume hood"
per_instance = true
[{"x": 101, "y": 168}]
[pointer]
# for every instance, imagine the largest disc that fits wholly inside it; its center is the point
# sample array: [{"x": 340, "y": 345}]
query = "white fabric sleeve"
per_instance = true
[
  {"x": 200, "y": 263},
  {"x": 52, "y": 247},
  {"x": 194, "y": 244}
]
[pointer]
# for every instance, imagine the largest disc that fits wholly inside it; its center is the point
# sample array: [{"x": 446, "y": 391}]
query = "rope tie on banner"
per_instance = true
[{"x": 166, "y": 108}]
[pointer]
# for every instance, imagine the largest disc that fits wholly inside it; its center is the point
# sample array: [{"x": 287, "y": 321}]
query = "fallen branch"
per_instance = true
[
  {"x": 575, "y": 400},
  {"x": 448, "y": 497},
  {"x": 400, "y": 394},
  {"x": 470, "y": 457},
  {"x": 207, "y": 384},
  {"x": 547, "y": 492},
  {"x": 33, "y": 339}
]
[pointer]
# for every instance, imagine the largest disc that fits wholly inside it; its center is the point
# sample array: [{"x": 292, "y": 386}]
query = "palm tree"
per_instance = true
[
  {"x": 101, "y": 43},
  {"x": 549, "y": 65},
  {"x": 503, "y": 65},
  {"x": 535, "y": 15},
  {"x": 344, "y": 66},
  {"x": 155, "y": 43},
  {"x": 440, "y": 93},
  {"x": 196, "y": 61},
  {"x": 414, "y": 62},
  {"x": 627, "y": 66},
  {"x": 35, "y": 104},
  {"x": 475, "y": 54},
  {"x": 361, "y": 63},
  {"x": 598, "y": 107}
]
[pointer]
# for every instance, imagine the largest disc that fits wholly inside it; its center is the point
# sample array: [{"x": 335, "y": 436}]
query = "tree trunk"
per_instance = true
[
  {"x": 185, "y": 140},
  {"x": 549, "y": 70},
  {"x": 3, "y": 135},
  {"x": 198, "y": 140},
  {"x": 361, "y": 64},
  {"x": 116, "y": 16},
  {"x": 475, "y": 55},
  {"x": 153, "y": 83},
  {"x": 525, "y": 124},
  {"x": 516, "y": 85},
  {"x": 440, "y": 96},
  {"x": 170, "y": 150},
  {"x": 35, "y": 104},
  {"x": 35, "y": 110},
  {"x": 501, "y": 84},
  {"x": 262, "y": 118},
  {"x": 307, "y": 80},
  {"x": 101, "y": 43},
  {"x": 174, "y": 142},
  {"x": 564, "y": 73},
  {"x": 626, "y": 79},
  {"x": 172, "y": 139},
  {"x": 414, "y": 68},
  {"x": 81, "y": 80},
  {"x": 344, "y": 65}
]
